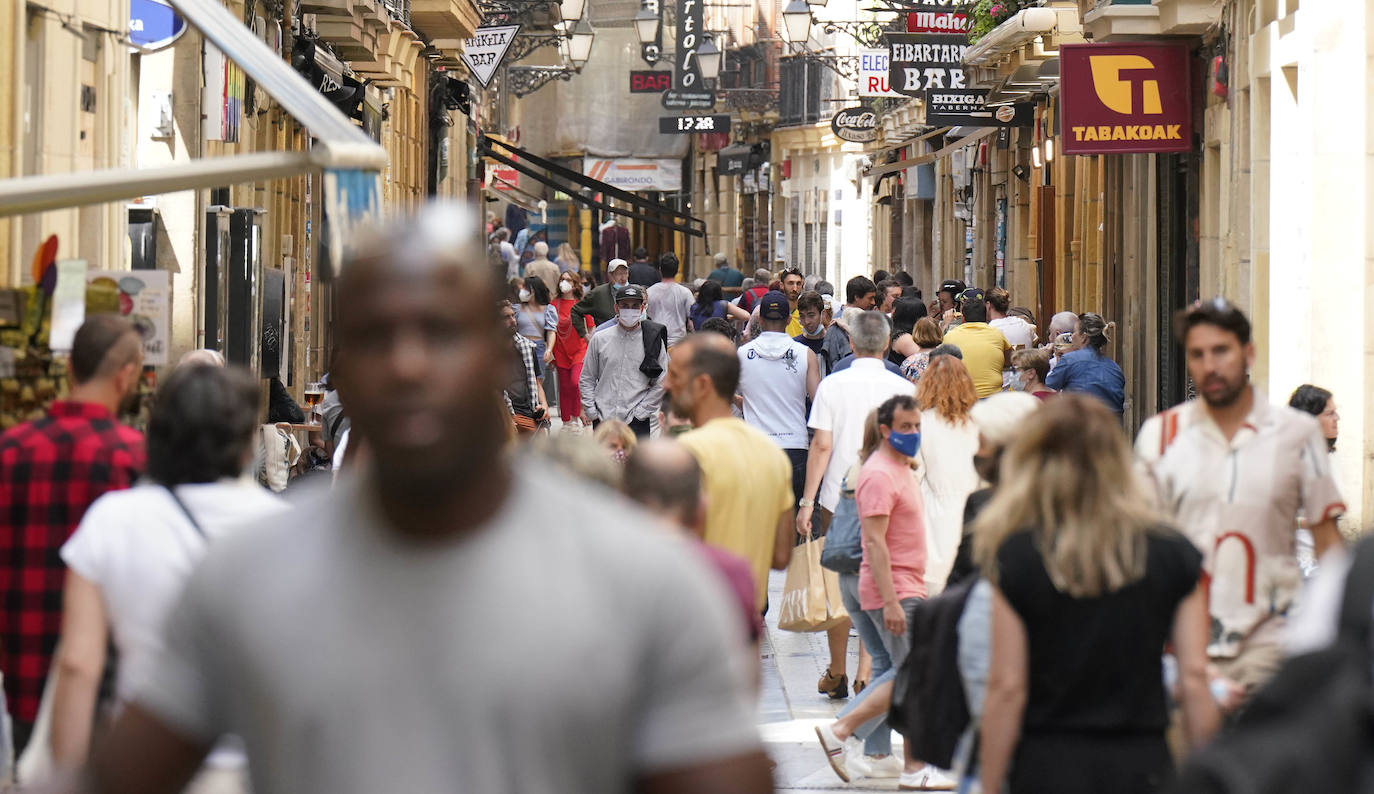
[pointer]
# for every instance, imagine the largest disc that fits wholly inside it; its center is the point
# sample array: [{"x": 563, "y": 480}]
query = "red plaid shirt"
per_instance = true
[{"x": 50, "y": 472}]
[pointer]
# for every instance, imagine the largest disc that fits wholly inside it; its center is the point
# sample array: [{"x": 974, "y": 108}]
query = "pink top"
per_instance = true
[
  {"x": 887, "y": 488},
  {"x": 738, "y": 577}
]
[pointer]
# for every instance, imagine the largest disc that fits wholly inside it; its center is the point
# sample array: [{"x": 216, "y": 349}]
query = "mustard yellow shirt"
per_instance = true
[
  {"x": 748, "y": 484},
  {"x": 982, "y": 346}
]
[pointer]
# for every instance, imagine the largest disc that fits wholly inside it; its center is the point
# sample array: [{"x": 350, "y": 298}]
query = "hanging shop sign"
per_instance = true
[
  {"x": 857, "y": 124},
  {"x": 683, "y": 125},
  {"x": 143, "y": 297},
  {"x": 967, "y": 107},
  {"x": 688, "y": 100},
  {"x": 736, "y": 160},
  {"x": 153, "y": 24},
  {"x": 646, "y": 81},
  {"x": 686, "y": 67},
  {"x": 919, "y": 62},
  {"x": 873, "y": 73},
  {"x": 1118, "y": 98},
  {"x": 936, "y": 22},
  {"x": 635, "y": 173},
  {"x": 484, "y": 52}
]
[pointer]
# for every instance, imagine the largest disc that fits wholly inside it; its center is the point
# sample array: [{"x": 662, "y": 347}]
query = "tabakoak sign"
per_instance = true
[{"x": 1125, "y": 98}]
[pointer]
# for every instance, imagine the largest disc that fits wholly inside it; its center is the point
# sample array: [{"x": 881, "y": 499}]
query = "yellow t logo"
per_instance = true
[{"x": 1115, "y": 92}]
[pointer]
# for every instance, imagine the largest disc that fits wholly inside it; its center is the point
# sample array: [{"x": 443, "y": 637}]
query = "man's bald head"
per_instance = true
[
  {"x": 717, "y": 358},
  {"x": 663, "y": 476},
  {"x": 104, "y": 345},
  {"x": 422, "y": 358}
]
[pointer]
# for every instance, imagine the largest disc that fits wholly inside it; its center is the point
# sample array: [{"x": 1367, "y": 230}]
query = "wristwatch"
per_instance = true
[{"x": 806, "y": 503}]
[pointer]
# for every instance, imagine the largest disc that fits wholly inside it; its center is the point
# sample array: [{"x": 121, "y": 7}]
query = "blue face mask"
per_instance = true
[{"x": 905, "y": 443}]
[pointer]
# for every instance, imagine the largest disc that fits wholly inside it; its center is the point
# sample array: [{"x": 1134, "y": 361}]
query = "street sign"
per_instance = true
[
  {"x": 1125, "y": 98},
  {"x": 688, "y": 100},
  {"x": 644, "y": 81},
  {"x": 682, "y": 125},
  {"x": 153, "y": 24},
  {"x": 873, "y": 73},
  {"x": 857, "y": 124},
  {"x": 484, "y": 52},
  {"x": 686, "y": 67},
  {"x": 920, "y": 62},
  {"x": 936, "y": 22},
  {"x": 967, "y": 107}
]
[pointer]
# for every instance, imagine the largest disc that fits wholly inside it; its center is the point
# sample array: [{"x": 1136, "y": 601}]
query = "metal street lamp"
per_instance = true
[
  {"x": 580, "y": 46},
  {"x": 572, "y": 9},
  {"x": 708, "y": 57},
  {"x": 796, "y": 21},
  {"x": 646, "y": 25}
]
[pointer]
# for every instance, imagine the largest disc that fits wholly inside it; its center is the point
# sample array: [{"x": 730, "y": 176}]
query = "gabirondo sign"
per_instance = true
[
  {"x": 857, "y": 124},
  {"x": 686, "y": 68},
  {"x": 919, "y": 62}
]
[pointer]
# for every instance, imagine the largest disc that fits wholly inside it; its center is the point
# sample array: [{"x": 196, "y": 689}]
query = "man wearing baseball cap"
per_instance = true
[
  {"x": 599, "y": 303},
  {"x": 622, "y": 374}
]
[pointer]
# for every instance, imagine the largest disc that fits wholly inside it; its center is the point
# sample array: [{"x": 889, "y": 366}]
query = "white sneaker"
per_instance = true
[
  {"x": 834, "y": 751},
  {"x": 884, "y": 767},
  {"x": 928, "y": 778}
]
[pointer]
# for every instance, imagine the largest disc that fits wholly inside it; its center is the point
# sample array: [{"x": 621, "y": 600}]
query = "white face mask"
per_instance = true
[
  {"x": 524, "y": 295},
  {"x": 565, "y": 287},
  {"x": 630, "y": 317}
]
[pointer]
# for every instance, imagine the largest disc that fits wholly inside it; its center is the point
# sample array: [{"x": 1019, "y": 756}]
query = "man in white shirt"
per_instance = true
[
  {"x": 340, "y": 643},
  {"x": 839, "y": 411},
  {"x": 669, "y": 302},
  {"x": 777, "y": 376},
  {"x": 1236, "y": 473},
  {"x": 1020, "y": 334}
]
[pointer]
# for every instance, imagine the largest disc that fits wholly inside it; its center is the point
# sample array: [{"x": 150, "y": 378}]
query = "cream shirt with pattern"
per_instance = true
[{"x": 1239, "y": 502}]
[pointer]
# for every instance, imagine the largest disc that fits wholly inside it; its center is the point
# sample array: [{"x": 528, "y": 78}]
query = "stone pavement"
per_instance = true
[{"x": 790, "y": 707}]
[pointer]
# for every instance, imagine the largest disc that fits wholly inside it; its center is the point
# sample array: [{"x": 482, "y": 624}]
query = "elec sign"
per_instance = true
[
  {"x": 682, "y": 125},
  {"x": 873, "y": 73},
  {"x": 153, "y": 24}
]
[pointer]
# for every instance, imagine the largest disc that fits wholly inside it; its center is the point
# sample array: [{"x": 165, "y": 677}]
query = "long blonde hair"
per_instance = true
[{"x": 1069, "y": 477}]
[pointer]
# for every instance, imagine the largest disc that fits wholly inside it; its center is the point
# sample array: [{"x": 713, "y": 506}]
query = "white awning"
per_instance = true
[{"x": 339, "y": 144}]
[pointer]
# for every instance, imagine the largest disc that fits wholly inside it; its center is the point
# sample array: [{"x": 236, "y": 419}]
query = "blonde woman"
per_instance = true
[
  {"x": 1089, "y": 585},
  {"x": 948, "y": 444},
  {"x": 566, "y": 260},
  {"x": 616, "y": 438}
]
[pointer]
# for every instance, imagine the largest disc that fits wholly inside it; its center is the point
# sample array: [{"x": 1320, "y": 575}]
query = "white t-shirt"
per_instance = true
[
  {"x": 668, "y": 304},
  {"x": 1016, "y": 330},
  {"x": 352, "y": 661},
  {"x": 772, "y": 381},
  {"x": 139, "y": 548},
  {"x": 842, "y": 404}
]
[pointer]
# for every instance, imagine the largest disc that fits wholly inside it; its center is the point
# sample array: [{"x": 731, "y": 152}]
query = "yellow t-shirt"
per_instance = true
[
  {"x": 748, "y": 484},
  {"x": 794, "y": 326},
  {"x": 982, "y": 346}
]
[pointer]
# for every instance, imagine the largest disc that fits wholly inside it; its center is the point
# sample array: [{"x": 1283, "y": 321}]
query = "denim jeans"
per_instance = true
[{"x": 875, "y": 733}]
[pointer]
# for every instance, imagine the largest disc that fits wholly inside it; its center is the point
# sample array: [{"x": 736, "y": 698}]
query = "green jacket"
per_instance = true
[{"x": 599, "y": 304}]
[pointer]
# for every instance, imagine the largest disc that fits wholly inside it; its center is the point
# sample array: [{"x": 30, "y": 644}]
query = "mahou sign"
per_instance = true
[
  {"x": 936, "y": 22},
  {"x": 919, "y": 62},
  {"x": 857, "y": 124}
]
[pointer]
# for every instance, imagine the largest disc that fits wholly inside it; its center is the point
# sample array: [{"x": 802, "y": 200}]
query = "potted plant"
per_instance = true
[{"x": 988, "y": 14}]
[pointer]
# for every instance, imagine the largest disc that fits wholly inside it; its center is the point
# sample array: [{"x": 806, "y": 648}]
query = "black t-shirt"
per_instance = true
[{"x": 1095, "y": 662}]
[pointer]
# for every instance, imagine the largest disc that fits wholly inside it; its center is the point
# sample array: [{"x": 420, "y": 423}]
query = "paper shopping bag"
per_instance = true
[{"x": 810, "y": 594}]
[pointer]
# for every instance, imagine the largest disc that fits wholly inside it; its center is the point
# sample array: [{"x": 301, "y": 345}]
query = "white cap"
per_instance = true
[
  {"x": 1002, "y": 415},
  {"x": 616, "y": 263},
  {"x": 832, "y": 303}
]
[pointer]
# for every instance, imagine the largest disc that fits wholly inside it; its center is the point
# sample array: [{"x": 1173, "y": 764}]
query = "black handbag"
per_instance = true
[{"x": 929, "y": 707}]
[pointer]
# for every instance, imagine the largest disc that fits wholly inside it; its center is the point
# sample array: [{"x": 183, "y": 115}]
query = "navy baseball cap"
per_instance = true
[
  {"x": 774, "y": 306},
  {"x": 630, "y": 292}
]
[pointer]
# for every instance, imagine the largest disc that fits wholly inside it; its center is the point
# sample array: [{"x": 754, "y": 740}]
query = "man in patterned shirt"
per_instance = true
[{"x": 51, "y": 469}]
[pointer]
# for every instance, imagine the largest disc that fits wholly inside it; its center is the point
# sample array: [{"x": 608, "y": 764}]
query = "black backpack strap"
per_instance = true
[
  {"x": 194, "y": 523},
  {"x": 1357, "y": 602}
]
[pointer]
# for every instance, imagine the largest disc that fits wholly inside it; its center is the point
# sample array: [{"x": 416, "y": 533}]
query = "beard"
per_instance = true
[
  {"x": 1227, "y": 396},
  {"x": 681, "y": 404}
]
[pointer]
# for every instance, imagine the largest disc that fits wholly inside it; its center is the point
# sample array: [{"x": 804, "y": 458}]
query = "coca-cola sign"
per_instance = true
[{"x": 857, "y": 125}]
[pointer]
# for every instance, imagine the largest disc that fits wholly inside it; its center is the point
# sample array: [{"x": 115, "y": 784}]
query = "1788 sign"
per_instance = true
[{"x": 919, "y": 62}]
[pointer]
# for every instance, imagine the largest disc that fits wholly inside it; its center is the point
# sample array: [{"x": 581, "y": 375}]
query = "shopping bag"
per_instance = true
[{"x": 810, "y": 594}]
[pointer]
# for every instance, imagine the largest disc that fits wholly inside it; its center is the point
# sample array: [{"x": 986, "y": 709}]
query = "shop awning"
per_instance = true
[
  {"x": 922, "y": 159},
  {"x": 572, "y": 183},
  {"x": 340, "y": 147}
]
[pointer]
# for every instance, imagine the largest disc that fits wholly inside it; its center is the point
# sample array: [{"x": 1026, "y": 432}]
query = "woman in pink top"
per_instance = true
[{"x": 891, "y": 583}]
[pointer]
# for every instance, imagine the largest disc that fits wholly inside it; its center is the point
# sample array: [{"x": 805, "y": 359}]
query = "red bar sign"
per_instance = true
[{"x": 650, "y": 82}]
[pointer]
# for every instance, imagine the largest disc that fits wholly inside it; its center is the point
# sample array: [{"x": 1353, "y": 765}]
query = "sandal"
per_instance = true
[{"x": 835, "y": 687}]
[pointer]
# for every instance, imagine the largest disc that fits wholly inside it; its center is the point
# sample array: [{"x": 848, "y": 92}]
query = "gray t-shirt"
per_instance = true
[
  {"x": 566, "y": 647},
  {"x": 668, "y": 304}
]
